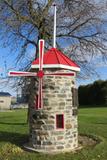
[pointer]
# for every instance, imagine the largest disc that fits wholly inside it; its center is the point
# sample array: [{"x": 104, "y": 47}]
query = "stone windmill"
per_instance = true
[{"x": 53, "y": 123}]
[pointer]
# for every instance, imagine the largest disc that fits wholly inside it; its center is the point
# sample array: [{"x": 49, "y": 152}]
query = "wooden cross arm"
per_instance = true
[{"x": 39, "y": 74}]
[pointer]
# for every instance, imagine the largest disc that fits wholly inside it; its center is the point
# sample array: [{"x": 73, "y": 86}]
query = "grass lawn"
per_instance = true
[{"x": 14, "y": 131}]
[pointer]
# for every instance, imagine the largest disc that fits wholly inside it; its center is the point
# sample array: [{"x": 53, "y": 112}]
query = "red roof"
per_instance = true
[{"x": 53, "y": 58}]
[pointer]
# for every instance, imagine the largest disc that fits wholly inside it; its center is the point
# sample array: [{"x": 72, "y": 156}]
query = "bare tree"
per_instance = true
[{"x": 80, "y": 23}]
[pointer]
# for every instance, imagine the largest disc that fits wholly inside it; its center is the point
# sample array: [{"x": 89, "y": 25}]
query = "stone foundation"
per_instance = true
[{"x": 57, "y": 100}]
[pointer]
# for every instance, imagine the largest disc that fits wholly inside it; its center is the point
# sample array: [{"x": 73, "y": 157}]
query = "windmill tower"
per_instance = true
[
  {"x": 53, "y": 116},
  {"x": 53, "y": 125}
]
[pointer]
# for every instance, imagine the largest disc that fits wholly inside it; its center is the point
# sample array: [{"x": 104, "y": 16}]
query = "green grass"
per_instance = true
[{"x": 14, "y": 133}]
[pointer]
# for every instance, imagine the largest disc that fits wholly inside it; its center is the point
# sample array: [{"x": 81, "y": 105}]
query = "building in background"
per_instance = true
[{"x": 5, "y": 100}]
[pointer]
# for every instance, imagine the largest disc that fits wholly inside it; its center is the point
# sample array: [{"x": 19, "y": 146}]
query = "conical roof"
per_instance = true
[{"x": 54, "y": 58}]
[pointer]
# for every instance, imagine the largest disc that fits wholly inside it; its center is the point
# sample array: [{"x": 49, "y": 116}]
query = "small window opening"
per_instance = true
[
  {"x": 75, "y": 97},
  {"x": 59, "y": 121}
]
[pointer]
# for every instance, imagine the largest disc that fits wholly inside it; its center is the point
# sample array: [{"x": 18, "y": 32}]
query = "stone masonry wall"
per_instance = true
[{"x": 57, "y": 99}]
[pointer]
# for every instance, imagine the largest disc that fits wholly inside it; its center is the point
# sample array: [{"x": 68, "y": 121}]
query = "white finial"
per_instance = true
[{"x": 54, "y": 33}]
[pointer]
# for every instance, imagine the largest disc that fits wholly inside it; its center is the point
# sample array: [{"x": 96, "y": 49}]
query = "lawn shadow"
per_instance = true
[
  {"x": 101, "y": 123},
  {"x": 14, "y": 138},
  {"x": 9, "y": 123}
]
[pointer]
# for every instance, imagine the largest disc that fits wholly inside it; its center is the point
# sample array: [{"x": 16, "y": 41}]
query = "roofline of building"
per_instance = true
[
  {"x": 4, "y": 96},
  {"x": 57, "y": 66}
]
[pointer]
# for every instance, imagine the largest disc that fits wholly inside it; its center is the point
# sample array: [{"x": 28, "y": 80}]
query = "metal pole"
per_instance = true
[{"x": 54, "y": 33}]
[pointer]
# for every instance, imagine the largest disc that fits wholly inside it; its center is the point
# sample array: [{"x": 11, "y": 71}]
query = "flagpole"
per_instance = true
[{"x": 54, "y": 33}]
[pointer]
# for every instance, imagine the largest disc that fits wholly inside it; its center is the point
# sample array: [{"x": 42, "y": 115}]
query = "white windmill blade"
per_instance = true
[
  {"x": 59, "y": 74},
  {"x": 41, "y": 53},
  {"x": 21, "y": 74},
  {"x": 40, "y": 94}
]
